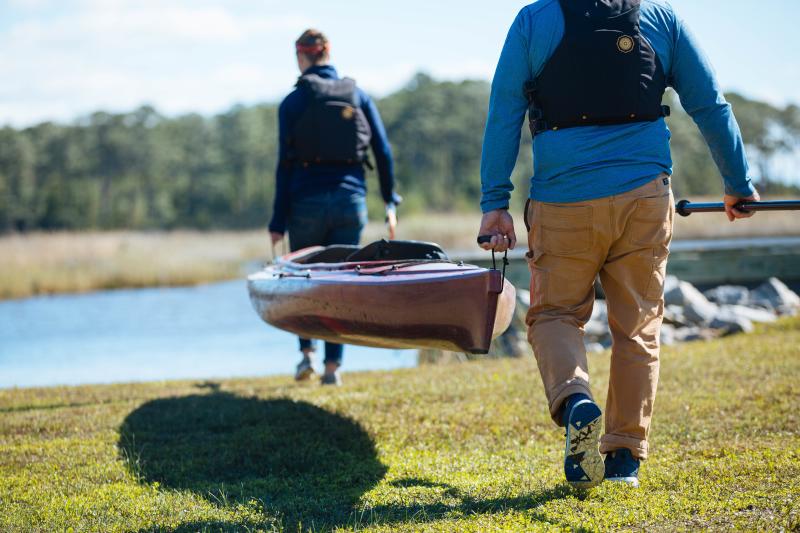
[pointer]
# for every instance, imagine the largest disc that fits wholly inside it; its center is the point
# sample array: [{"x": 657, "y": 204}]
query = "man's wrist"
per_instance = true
[
  {"x": 745, "y": 192},
  {"x": 496, "y": 206}
]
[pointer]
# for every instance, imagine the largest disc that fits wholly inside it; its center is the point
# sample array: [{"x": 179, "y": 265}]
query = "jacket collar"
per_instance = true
[{"x": 323, "y": 71}]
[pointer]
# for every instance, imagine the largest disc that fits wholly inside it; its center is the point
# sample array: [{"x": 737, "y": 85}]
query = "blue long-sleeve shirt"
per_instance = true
[
  {"x": 294, "y": 181},
  {"x": 584, "y": 163}
]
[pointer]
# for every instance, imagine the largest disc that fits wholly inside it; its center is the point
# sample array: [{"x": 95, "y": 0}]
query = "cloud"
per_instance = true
[{"x": 116, "y": 54}]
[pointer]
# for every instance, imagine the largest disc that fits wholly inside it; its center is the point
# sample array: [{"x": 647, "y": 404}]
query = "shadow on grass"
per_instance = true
[
  {"x": 298, "y": 462},
  {"x": 464, "y": 505}
]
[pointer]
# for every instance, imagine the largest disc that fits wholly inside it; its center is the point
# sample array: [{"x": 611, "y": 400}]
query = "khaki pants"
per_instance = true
[{"x": 624, "y": 239}]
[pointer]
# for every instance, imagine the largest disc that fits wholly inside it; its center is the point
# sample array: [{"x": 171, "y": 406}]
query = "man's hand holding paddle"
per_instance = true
[{"x": 731, "y": 202}]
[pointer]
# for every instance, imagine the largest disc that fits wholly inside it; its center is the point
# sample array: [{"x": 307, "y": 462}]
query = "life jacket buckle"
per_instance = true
[{"x": 538, "y": 126}]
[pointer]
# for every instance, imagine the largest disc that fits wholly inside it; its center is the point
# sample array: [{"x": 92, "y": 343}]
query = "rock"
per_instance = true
[
  {"x": 670, "y": 282},
  {"x": 596, "y": 330},
  {"x": 729, "y": 323},
  {"x": 753, "y": 314},
  {"x": 700, "y": 311},
  {"x": 774, "y": 294},
  {"x": 729, "y": 295},
  {"x": 600, "y": 311},
  {"x": 667, "y": 334},
  {"x": 681, "y": 293},
  {"x": 594, "y": 347},
  {"x": 524, "y": 297},
  {"x": 696, "y": 307},
  {"x": 674, "y": 315},
  {"x": 694, "y": 334},
  {"x": 512, "y": 343}
]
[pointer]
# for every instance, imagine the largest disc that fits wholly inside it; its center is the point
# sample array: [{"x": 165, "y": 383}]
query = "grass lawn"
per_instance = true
[{"x": 450, "y": 448}]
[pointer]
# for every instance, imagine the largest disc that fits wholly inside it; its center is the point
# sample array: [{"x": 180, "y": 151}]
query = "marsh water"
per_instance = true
[{"x": 201, "y": 332}]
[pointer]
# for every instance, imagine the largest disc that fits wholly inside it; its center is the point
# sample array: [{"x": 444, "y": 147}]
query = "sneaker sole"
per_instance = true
[{"x": 583, "y": 464}]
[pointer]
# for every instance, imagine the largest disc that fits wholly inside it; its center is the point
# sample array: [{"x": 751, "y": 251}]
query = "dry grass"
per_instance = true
[
  {"x": 45, "y": 263},
  {"x": 77, "y": 262},
  {"x": 69, "y": 262},
  {"x": 453, "y": 231}
]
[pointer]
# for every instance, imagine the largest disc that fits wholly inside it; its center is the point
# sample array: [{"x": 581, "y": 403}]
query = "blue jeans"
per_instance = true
[{"x": 331, "y": 217}]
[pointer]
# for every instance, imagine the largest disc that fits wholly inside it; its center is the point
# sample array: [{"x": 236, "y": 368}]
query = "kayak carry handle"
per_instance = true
[
  {"x": 685, "y": 208},
  {"x": 487, "y": 239}
]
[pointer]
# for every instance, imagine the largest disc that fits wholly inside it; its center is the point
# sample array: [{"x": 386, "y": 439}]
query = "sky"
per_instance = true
[{"x": 62, "y": 59}]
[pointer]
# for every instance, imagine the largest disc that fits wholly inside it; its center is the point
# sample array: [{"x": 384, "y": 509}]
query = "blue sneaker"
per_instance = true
[
  {"x": 583, "y": 464},
  {"x": 622, "y": 467}
]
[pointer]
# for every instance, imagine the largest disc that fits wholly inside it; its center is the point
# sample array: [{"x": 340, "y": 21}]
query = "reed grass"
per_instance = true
[
  {"x": 50, "y": 263},
  {"x": 78, "y": 262}
]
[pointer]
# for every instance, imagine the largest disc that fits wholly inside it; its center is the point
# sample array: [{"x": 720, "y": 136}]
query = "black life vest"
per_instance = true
[
  {"x": 332, "y": 130},
  {"x": 603, "y": 71}
]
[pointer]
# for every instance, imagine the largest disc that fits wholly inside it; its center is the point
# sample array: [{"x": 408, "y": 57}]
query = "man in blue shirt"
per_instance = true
[
  {"x": 591, "y": 75},
  {"x": 326, "y": 126}
]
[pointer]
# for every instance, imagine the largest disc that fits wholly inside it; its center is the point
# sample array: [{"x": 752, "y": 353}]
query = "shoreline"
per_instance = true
[{"x": 41, "y": 264}]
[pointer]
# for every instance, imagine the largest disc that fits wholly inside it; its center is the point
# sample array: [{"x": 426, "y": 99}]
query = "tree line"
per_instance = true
[{"x": 142, "y": 170}]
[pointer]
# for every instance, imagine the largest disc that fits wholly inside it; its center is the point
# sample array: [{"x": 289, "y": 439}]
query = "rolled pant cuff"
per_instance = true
[
  {"x": 638, "y": 447},
  {"x": 561, "y": 393}
]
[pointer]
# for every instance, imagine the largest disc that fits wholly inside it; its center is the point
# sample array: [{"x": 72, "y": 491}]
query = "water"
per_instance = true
[{"x": 202, "y": 332}]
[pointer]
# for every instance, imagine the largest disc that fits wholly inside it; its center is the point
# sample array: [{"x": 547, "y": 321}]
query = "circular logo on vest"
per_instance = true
[
  {"x": 625, "y": 44},
  {"x": 347, "y": 113}
]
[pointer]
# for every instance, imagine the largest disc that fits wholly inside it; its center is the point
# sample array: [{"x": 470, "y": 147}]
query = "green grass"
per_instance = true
[{"x": 445, "y": 448}]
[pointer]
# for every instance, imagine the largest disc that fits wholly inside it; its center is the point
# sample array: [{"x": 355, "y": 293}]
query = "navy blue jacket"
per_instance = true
[{"x": 294, "y": 181}]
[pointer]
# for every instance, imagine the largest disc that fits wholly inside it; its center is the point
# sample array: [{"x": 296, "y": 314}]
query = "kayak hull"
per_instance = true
[{"x": 426, "y": 304}]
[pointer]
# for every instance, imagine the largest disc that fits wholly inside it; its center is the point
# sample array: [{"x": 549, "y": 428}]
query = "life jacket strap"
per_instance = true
[{"x": 536, "y": 121}]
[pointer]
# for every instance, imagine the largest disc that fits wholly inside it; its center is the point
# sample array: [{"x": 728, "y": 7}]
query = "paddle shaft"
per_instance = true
[{"x": 686, "y": 208}]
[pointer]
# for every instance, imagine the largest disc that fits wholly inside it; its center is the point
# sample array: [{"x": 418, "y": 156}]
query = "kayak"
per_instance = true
[{"x": 389, "y": 294}]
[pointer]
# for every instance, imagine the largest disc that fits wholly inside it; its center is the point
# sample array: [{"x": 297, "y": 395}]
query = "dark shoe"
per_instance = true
[
  {"x": 304, "y": 370},
  {"x": 331, "y": 379},
  {"x": 583, "y": 464},
  {"x": 622, "y": 467}
]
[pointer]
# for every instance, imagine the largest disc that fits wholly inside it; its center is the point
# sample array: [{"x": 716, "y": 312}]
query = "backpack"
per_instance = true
[{"x": 332, "y": 130}]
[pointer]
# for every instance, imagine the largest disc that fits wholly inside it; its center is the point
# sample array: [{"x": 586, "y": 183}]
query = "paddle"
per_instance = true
[{"x": 685, "y": 208}]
